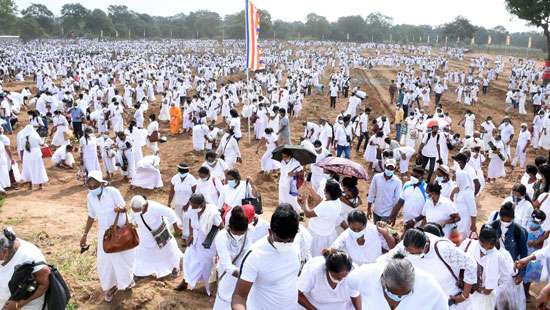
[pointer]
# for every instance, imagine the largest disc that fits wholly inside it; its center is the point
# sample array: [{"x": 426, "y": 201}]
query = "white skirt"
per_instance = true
[
  {"x": 114, "y": 269},
  {"x": 318, "y": 242},
  {"x": 152, "y": 260}
]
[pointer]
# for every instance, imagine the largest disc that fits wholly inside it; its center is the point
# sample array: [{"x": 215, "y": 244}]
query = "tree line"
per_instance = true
[{"x": 120, "y": 22}]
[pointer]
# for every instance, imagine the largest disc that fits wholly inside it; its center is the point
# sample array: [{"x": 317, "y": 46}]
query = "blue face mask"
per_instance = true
[
  {"x": 232, "y": 183},
  {"x": 393, "y": 296},
  {"x": 388, "y": 173},
  {"x": 534, "y": 226},
  {"x": 96, "y": 191}
]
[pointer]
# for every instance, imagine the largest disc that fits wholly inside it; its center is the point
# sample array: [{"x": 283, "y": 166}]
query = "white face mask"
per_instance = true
[
  {"x": 237, "y": 238},
  {"x": 485, "y": 251},
  {"x": 505, "y": 224},
  {"x": 357, "y": 235},
  {"x": 413, "y": 180},
  {"x": 283, "y": 247},
  {"x": 332, "y": 279}
]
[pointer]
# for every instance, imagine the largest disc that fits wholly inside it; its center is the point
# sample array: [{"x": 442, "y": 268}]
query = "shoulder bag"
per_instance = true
[
  {"x": 460, "y": 279},
  {"x": 236, "y": 257},
  {"x": 256, "y": 202},
  {"x": 161, "y": 235}
]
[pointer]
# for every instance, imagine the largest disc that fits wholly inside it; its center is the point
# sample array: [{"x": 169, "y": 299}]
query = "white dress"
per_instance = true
[
  {"x": 88, "y": 148},
  {"x": 107, "y": 153},
  {"x": 267, "y": 164},
  {"x": 164, "y": 114},
  {"x": 323, "y": 226},
  {"x": 465, "y": 203},
  {"x": 228, "y": 248},
  {"x": 26, "y": 253},
  {"x": 113, "y": 269},
  {"x": 198, "y": 261},
  {"x": 150, "y": 259},
  {"x": 148, "y": 173},
  {"x": 33, "y": 164},
  {"x": 5, "y": 163},
  {"x": 58, "y": 138},
  {"x": 496, "y": 167},
  {"x": 544, "y": 141},
  {"x": 284, "y": 183}
]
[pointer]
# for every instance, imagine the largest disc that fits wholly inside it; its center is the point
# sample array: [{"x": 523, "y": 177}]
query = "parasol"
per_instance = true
[
  {"x": 343, "y": 166},
  {"x": 301, "y": 154}
]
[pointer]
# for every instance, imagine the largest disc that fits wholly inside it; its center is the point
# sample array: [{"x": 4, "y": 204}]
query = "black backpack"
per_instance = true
[{"x": 23, "y": 284}]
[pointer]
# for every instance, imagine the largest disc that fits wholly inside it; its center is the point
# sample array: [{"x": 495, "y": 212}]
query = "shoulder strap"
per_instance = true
[
  {"x": 443, "y": 261},
  {"x": 468, "y": 245},
  {"x": 144, "y": 222}
]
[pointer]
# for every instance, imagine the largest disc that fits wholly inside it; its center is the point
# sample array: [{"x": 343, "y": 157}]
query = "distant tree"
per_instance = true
[
  {"x": 355, "y": 26},
  {"x": 378, "y": 26},
  {"x": 234, "y": 25},
  {"x": 74, "y": 17},
  {"x": 43, "y": 16},
  {"x": 8, "y": 20},
  {"x": 536, "y": 12},
  {"x": 97, "y": 21},
  {"x": 29, "y": 28},
  {"x": 281, "y": 30},
  {"x": 460, "y": 27},
  {"x": 317, "y": 26},
  {"x": 204, "y": 24}
]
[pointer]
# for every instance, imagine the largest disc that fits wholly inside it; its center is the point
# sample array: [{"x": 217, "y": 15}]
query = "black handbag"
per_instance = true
[
  {"x": 207, "y": 243},
  {"x": 256, "y": 202}
]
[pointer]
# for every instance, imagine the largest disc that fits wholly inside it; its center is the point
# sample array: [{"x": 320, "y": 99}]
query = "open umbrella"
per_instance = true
[
  {"x": 301, "y": 154},
  {"x": 343, "y": 166}
]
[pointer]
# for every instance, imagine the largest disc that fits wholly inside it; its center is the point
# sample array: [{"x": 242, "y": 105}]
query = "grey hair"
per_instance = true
[
  {"x": 398, "y": 273},
  {"x": 7, "y": 239}
]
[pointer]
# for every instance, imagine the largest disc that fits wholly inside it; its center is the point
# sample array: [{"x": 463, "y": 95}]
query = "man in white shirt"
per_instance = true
[
  {"x": 507, "y": 134},
  {"x": 311, "y": 131},
  {"x": 430, "y": 149},
  {"x": 269, "y": 270},
  {"x": 363, "y": 129},
  {"x": 333, "y": 93},
  {"x": 342, "y": 138},
  {"x": 63, "y": 157},
  {"x": 439, "y": 89},
  {"x": 524, "y": 138},
  {"x": 384, "y": 193},
  {"x": 412, "y": 199}
]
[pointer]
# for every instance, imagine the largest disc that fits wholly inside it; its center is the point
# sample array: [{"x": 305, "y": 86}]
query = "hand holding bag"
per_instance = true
[{"x": 117, "y": 239}]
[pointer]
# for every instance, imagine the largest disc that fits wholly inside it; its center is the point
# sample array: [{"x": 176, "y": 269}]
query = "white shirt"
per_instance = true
[
  {"x": 426, "y": 293},
  {"x": 273, "y": 275},
  {"x": 384, "y": 194},
  {"x": 430, "y": 145},
  {"x": 183, "y": 188},
  {"x": 440, "y": 212},
  {"x": 217, "y": 169},
  {"x": 341, "y": 134},
  {"x": 362, "y": 254},
  {"x": 414, "y": 198},
  {"x": 314, "y": 284},
  {"x": 327, "y": 217}
]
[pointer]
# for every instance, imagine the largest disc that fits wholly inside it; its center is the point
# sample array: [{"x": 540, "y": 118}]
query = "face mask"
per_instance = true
[
  {"x": 440, "y": 180},
  {"x": 388, "y": 173},
  {"x": 318, "y": 149},
  {"x": 505, "y": 224},
  {"x": 393, "y": 296},
  {"x": 484, "y": 251},
  {"x": 333, "y": 280},
  {"x": 232, "y": 183},
  {"x": 356, "y": 235},
  {"x": 516, "y": 200},
  {"x": 195, "y": 211},
  {"x": 413, "y": 180},
  {"x": 96, "y": 191},
  {"x": 534, "y": 226},
  {"x": 238, "y": 237},
  {"x": 283, "y": 247},
  {"x": 327, "y": 176},
  {"x": 211, "y": 162},
  {"x": 183, "y": 175},
  {"x": 340, "y": 122},
  {"x": 204, "y": 179}
]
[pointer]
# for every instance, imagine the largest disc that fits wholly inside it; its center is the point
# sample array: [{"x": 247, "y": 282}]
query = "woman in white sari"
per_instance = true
[
  {"x": 269, "y": 139},
  {"x": 60, "y": 126},
  {"x": 156, "y": 256},
  {"x": 115, "y": 270},
  {"x": 465, "y": 203},
  {"x": 231, "y": 244},
  {"x": 34, "y": 171},
  {"x": 290, "y": 167},
  {"x": 88, "y": 151}
]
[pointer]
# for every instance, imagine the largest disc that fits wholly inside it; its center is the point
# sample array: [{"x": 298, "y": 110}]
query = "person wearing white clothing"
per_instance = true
[
  {"x": 34, "y": 171},
  {"x": 228, "y": 149},
  {"x": 233, "y": 193},
  {"x": 363, "y": 241},
  {"x": 156, "y": 255},
  {"x": 440, "y": 210},
  {"x": 289, "y": 170},
  {"x": 231, "y": 246},
  {"x": 148, "y": 173},
  {"x": 209, "y": 186},
  {"x": 465, "y": 203},
  {"x": 60, "y": 126},
  {"x": 217, "y": 166},
  {"x": 322, "y": 283},
  {"x": 183, "y": 185},
  {"x": 152, "y": 131},
  {"x": 199, "y": 255},
  {"x": 524, "y": 138},
  {"x": 270, "y": 268},
  {"x": 115, "y": 270},
  {"x": 398, "y": 285},
  {"x": 63, "y": 157},
  {"x": 88, "y": 151},
  {"x": 323, "y": 218},
  {"x": 13, "y": 252}
]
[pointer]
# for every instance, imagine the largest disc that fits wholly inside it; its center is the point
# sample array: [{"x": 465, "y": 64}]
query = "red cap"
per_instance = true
[{"x": 249, "y": 212}]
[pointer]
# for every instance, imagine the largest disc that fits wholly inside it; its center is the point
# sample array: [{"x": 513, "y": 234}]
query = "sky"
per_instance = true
[{"x": 486, "y": 13}]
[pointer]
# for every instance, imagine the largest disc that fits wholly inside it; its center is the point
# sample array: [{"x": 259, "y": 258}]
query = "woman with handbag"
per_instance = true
[
  {"x": 34, "y": 171},
  {"x": 153, "y": 134},
  {"x": 14, "y": 252},
  {"x": 158, "y": 253},
  {"x": 105, "y": 204},
  {"x": 231, "y": 245}
]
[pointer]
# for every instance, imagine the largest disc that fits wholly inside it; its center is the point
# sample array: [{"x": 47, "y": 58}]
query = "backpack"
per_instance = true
[{"x": 23, "y": 284}]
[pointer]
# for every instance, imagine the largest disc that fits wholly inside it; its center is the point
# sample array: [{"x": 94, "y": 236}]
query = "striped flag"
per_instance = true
[{"x": 252, "y": 34}]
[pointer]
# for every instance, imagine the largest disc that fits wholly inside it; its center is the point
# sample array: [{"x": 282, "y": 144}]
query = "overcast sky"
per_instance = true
[{"x": 487, "y": 13}]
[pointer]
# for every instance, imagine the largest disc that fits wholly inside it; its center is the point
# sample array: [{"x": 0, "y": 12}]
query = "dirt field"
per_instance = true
[{"x": 54, "y": 217}]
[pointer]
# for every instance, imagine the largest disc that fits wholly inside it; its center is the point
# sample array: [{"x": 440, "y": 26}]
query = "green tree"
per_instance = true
[
  {"x": 536, "y": 12},
  {"x": 355, "y": 26},
  {"x": 99, "y": 21},
  {"x": 234, "y": 25},
  {"x": 317, "y": 26},
  {"x": 74, "y": 17},
  {"x": 378, "y": 26},
  {"x": 204, "y": 24},
  {"x": 460, "y": 27},
  {"x": 29, "y": 28},
  {"x": 8, "y": 20},
  {"x": 42, "y": 15}
]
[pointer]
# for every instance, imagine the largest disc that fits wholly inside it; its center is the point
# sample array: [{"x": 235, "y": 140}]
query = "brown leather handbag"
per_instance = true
[{"x": 117, "y": 239}]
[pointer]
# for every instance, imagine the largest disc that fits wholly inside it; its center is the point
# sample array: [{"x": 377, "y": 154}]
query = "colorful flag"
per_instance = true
[
  {"x": 508, "y": 39},
  {"x": 489, "y": 40},
  {"x": 529, "y": 43},
  {"x": 252, "y": 34}
]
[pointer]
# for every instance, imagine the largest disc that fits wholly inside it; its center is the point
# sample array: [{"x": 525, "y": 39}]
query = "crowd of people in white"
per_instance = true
[{"x": 101, "y": 109}]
